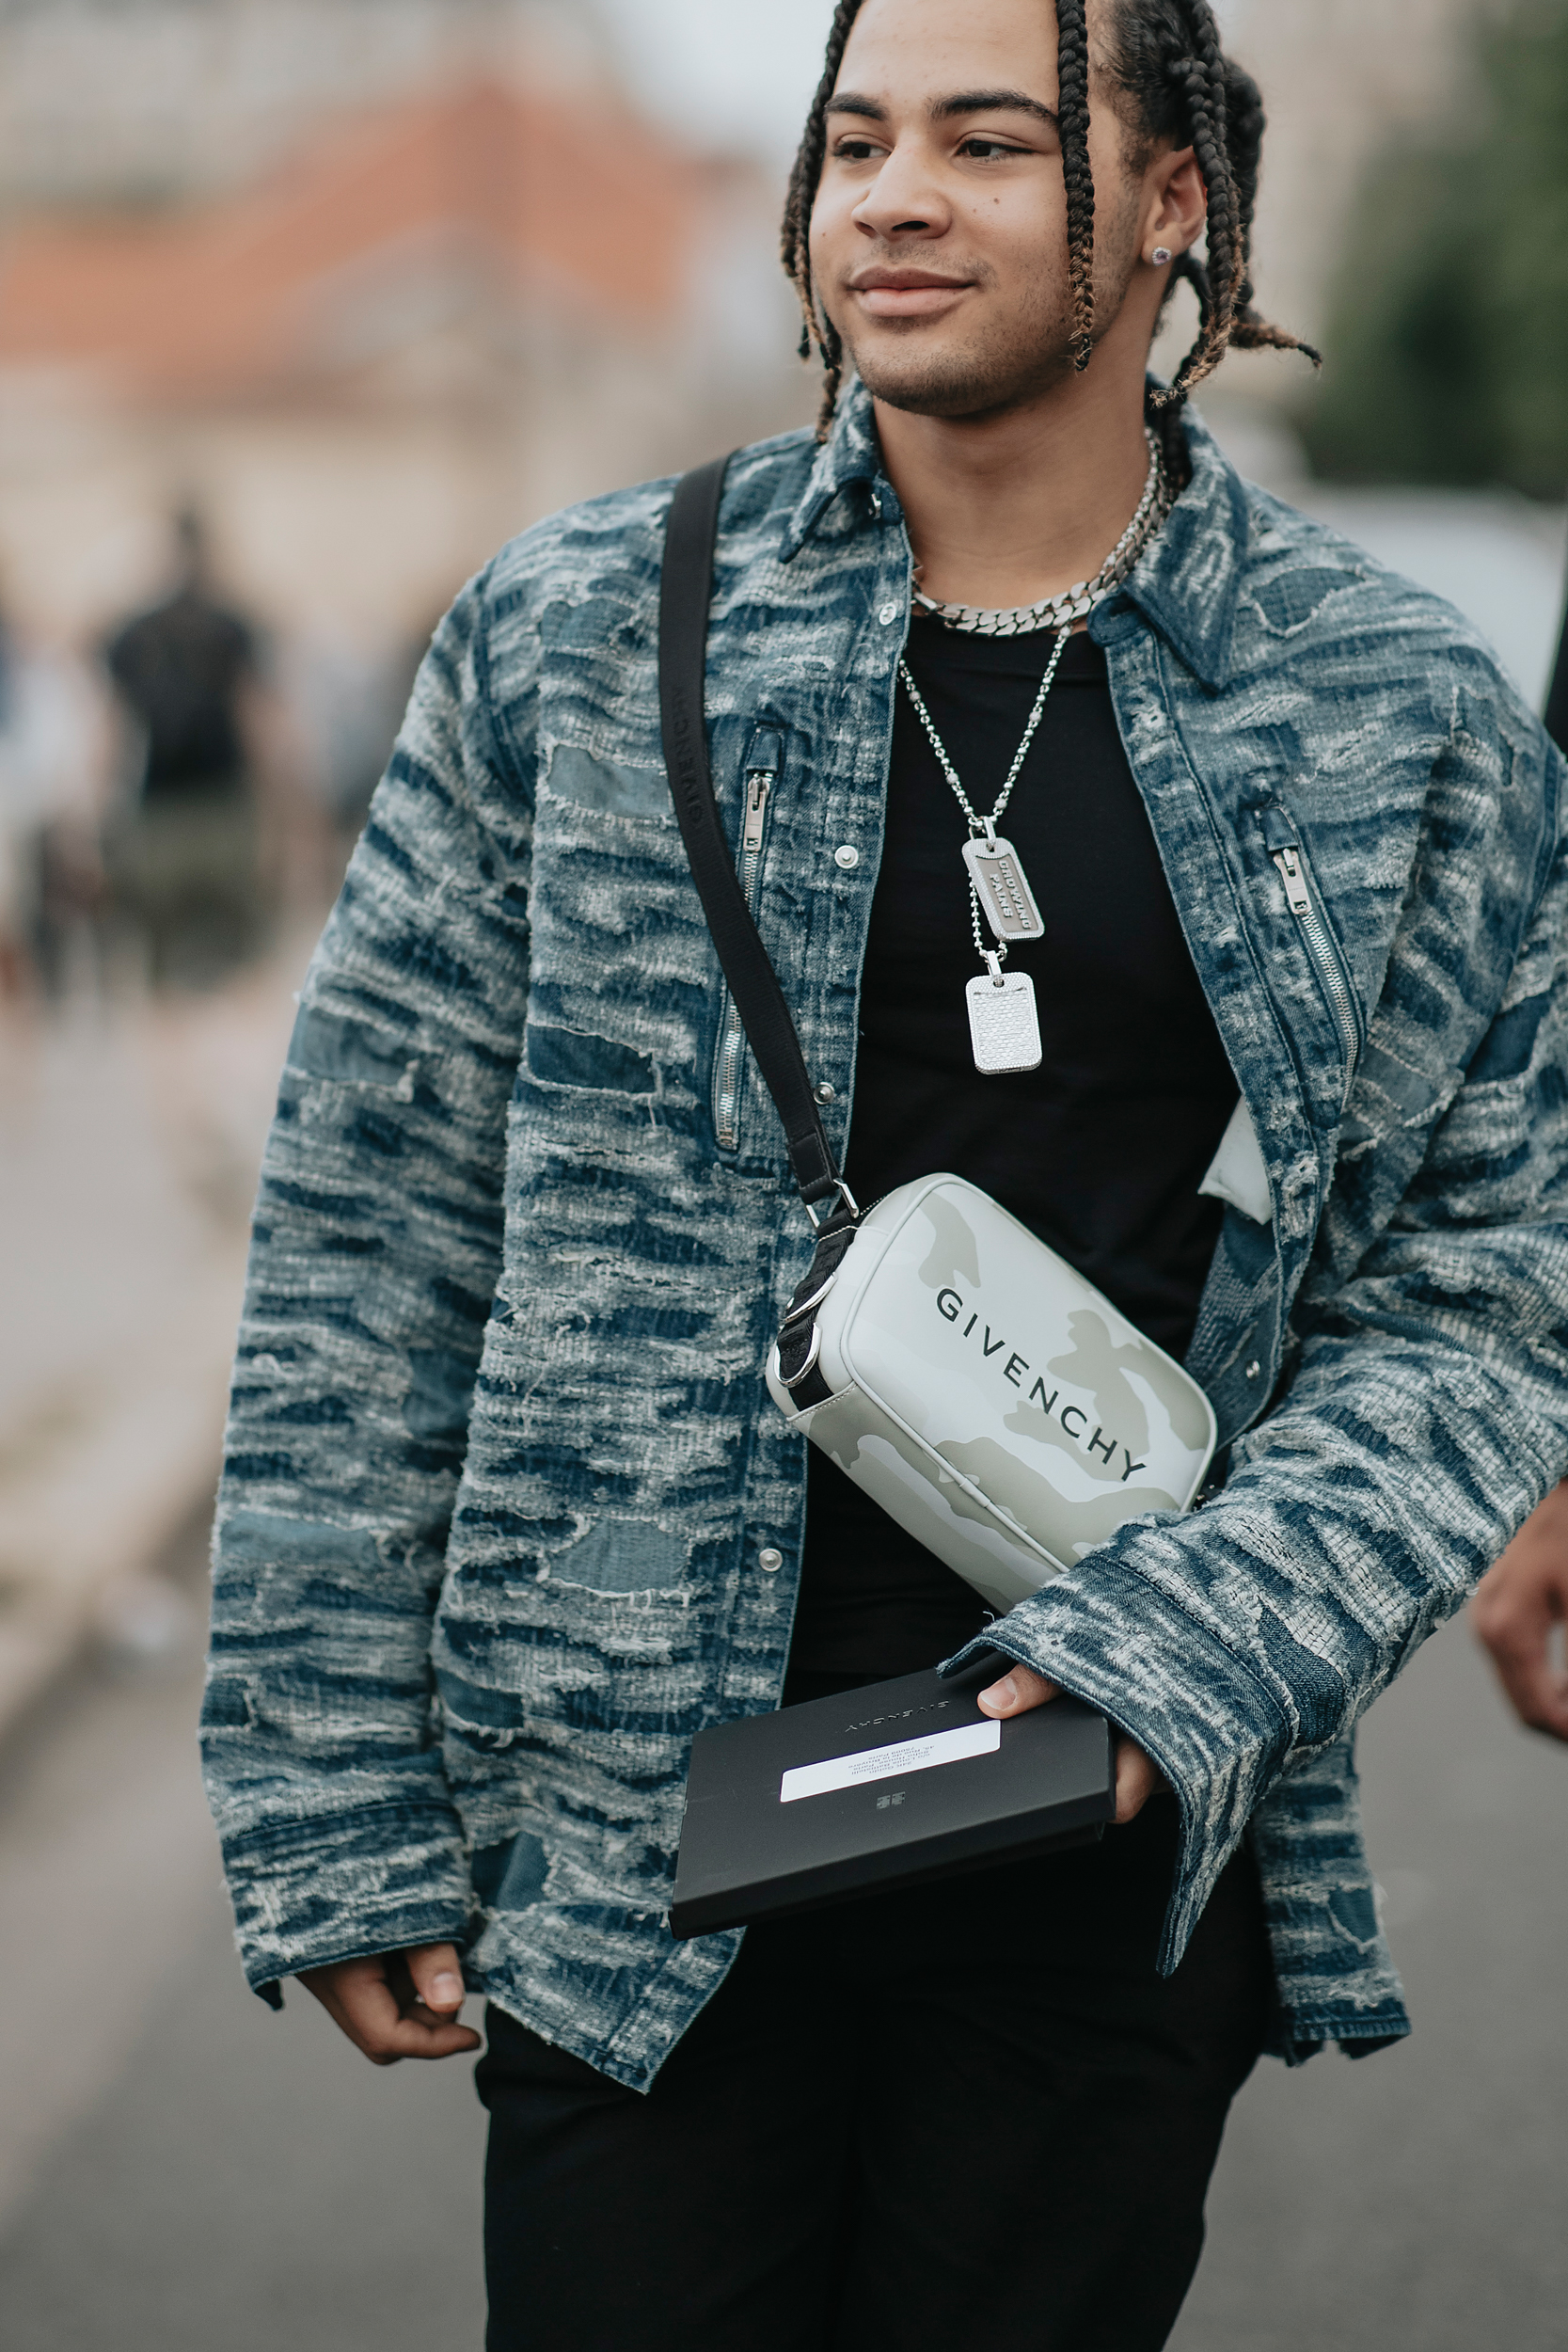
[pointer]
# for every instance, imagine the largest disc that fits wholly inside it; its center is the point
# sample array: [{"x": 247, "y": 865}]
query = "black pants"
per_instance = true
[{"x": 968, "y": 2115}]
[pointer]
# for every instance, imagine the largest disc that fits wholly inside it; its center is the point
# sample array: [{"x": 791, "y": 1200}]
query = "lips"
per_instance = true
[{"x": 905, "y": 293}]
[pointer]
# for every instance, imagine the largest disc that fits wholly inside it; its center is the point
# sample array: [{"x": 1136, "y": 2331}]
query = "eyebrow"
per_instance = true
[{"x": 969, "y": 101}]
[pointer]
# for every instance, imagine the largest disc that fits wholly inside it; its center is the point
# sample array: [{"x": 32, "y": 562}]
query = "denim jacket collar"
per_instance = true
[
  {"x": 1185, "y": 585},
  {"x": 850, "y": 454}
]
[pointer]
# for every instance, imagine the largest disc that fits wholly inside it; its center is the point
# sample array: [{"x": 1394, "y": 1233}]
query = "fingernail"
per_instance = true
[
  {"x": 446, "y": 1991},
  {"x": 1003, "y": 1694}
]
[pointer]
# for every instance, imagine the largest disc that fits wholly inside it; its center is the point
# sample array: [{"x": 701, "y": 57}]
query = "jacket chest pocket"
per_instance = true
[
  {"x": 1303, "y": 902},
  {"x": 764, "y": 760}
]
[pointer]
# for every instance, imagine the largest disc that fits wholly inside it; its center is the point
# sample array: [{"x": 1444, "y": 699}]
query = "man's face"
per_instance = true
[{"x": 939, "y": 232}]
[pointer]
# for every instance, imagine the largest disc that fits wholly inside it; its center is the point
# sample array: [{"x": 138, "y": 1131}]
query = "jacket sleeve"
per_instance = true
[
  {"x": 1426, "y": 1415},
  {"x": 374, "y": 1254}
]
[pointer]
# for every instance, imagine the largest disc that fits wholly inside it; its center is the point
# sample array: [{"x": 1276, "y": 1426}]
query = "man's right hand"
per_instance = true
[
  {"x": 397, "y": 2005},
  {"x": 1519, "y": 1605}
]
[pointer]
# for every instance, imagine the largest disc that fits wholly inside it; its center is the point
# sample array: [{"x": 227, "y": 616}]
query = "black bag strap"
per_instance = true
[{"x": 684, "y": 591}]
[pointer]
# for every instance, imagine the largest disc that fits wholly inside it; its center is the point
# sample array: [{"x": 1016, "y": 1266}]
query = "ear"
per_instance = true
[{"x": 1174, "y": 205}]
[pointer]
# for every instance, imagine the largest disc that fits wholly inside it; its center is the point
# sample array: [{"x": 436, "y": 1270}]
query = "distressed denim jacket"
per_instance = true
[{"x": 505, "y": 1500}]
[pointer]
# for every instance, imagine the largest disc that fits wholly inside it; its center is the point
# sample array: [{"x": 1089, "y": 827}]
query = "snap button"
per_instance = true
[
  {"x": 1254, "y": 1369},
  {"x": 824, "y": 1092},
  {"x": 771, "y": 1562},
  {"x": 888, "y": 615},
  {"x": 846, "y": 857}
]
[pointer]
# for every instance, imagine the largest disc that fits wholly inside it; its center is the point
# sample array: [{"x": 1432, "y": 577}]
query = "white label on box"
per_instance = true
[{"x": 905, "y": 1755}]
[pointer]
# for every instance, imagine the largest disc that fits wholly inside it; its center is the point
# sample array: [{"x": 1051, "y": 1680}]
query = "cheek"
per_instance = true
[
  {"x": 832, "y": 240},
  {"x": 1020, "y": 247},
  {"x": 830, "y": 222}
]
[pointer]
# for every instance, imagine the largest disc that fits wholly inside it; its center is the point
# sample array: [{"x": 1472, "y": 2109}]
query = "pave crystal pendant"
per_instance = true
[
  {"x": 1002, "y": 887},
  {"x": 1003, "y": 1026}
]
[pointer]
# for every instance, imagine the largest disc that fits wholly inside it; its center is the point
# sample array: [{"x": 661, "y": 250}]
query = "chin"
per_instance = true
[{"x": 957, "y": 383}]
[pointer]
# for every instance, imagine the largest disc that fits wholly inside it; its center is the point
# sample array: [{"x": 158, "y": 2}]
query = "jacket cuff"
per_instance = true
[
  {"x": 1115, "y": 1640},
  {"x": 310, "y": 1893}
]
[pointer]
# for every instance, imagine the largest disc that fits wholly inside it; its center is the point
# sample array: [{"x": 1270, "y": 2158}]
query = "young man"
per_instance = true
[{"x": 508, "y": 1515}]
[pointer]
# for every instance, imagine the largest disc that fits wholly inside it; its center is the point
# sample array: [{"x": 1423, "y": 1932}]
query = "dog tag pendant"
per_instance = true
[
  {"x": 1004, "y": 1026},
  {"x": 1002, "y": 889}
]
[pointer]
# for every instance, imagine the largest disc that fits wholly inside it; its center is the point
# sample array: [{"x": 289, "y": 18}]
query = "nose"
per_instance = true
[{"x": 904, "y": 199}]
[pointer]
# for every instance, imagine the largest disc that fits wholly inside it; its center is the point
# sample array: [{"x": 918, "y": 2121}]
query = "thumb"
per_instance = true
[
  {"x": 438, "y": 1976},
  {"x": 1017, "y": 1691}
]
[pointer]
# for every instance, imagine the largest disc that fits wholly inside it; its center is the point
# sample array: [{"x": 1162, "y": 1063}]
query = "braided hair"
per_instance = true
[
  {"x": 1173, "y": 83},
  {"x": 1177, "y": 84}
]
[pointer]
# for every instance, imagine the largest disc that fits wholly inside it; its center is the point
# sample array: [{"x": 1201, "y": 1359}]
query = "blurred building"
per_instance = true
[
  {"x": 145, "y": 101},
  {"x": 404, "y": 331}
]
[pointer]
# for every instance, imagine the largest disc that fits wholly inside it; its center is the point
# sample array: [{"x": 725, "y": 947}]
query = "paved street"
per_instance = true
[
  {"x": 186, "y": 2172},
  {"x": 130, "y": 1132}
]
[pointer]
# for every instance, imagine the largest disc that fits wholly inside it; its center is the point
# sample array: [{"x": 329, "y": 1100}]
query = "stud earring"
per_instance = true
[{"x": 1161, "y": 255}]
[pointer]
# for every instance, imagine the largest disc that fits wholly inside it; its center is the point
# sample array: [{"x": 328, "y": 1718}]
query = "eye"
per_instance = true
[
  {"x": 853, "y": 150},
  {"x": 984, "y": 151}
]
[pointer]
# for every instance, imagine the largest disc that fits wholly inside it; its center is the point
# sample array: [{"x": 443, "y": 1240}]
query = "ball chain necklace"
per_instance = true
[{"x": 1004, "y": 1021}]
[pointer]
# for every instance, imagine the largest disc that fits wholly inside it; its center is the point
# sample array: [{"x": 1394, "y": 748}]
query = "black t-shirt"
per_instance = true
[{"x": 1100, "y": 1150}]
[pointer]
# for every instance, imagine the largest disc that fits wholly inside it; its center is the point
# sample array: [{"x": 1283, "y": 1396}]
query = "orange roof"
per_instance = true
[{"x": 232, "y": 297}]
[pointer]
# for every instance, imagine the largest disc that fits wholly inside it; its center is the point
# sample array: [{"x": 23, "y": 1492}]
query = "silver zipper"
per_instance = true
[
  {"x": 1320, "y": 950},
  {"x": 732, "y": 1040}
]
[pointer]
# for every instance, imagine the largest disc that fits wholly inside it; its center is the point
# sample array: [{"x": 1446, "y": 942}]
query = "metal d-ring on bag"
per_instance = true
[{"x": 965, "y": 1376}]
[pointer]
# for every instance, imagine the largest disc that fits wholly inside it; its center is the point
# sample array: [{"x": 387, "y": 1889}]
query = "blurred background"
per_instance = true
[{"x": 305, "y": 306}]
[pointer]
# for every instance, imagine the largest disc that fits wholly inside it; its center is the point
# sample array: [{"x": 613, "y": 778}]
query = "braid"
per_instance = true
[
  {"x": 795, "y": 241},
  {"x": 1200, "y": 81},
  {"x": 1072, "y": 115}
]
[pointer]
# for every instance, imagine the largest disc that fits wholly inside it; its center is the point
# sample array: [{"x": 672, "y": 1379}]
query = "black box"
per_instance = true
[{"x": 880, "y": 1788}]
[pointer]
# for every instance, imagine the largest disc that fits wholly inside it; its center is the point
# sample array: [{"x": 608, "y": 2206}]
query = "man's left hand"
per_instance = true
[{"x": 1137, "y": 1775}]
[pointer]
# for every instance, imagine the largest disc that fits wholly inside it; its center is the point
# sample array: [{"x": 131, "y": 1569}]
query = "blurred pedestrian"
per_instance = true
[
  {"x": 183, "y": 849},
  {"x": 50, "y": 768},
  {"x": 1520, "y": 1610}
]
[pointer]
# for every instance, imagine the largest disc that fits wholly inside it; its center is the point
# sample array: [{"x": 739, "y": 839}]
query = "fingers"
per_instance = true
[
  {"x": 1017, "y": 1693},
  {"x": 1520, "y": 1643},
  {"x": 378, "y": 2004},
  {"x": 1517, "y": 1607},
  {"x": 1137, "y": 1779}
]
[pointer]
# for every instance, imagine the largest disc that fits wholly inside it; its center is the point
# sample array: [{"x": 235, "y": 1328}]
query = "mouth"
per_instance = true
[{"x": 906, "y": 294}]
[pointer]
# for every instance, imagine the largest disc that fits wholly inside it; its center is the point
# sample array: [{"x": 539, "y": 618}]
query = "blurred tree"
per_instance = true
[{"x": 1448, "y": 340}]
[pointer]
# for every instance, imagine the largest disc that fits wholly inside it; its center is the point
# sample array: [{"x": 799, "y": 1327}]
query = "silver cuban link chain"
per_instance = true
[{"x": 1076, "y": 603}]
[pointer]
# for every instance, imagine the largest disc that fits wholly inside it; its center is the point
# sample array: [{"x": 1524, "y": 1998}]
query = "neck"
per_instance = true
[{"x": 1007, "y": 508}]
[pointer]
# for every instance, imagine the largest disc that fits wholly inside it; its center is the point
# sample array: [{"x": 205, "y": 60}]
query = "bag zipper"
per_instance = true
[
  {"x": 762, "y": 767},
  {"x": 1282, "y": 839}
]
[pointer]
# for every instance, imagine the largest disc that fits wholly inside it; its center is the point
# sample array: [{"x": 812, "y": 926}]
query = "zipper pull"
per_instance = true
[
  {"x": 1297, "y": 897},
  {"x": 1282, "y": 843},
  {"x": 758, "y": 785},
  {"x": 762, "y": 762},
  {"x": 1284, "y": 848}
]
